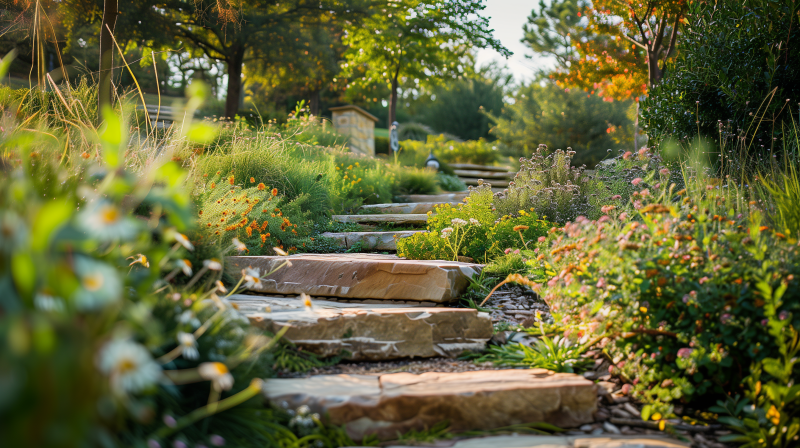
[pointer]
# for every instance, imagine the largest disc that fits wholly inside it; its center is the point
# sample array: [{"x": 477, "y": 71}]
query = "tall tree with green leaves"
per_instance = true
[{"x": 421, "y": 40}]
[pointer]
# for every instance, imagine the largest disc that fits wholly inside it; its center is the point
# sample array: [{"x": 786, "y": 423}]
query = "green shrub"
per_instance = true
[
  {"x": 414, "y": 181},
  {"x": 449, "y": 182},
  {"x": 737, "y": 68},
  {"x": 682, "y": 292},
  {"x": 478, "y": 152}
]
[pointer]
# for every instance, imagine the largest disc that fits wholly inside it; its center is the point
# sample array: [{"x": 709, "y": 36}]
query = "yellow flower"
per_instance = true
[
  {"x": 773, "y": 415},
  {"x": 643, "y": 310}
]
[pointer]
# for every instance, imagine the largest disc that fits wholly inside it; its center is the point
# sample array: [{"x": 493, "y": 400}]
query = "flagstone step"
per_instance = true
[
  {"x": 369, "y": 332},
  {"x": 409, "y": 207},
  {"x": 370, "y": 240},
  {"x": 395, "y": 403},
  {"x": 438, "y": 198},
  {"x": 417, "y": 218},
  {"x": 528, "y": 441},
  {"x": 497, "y": 184},
  {"x": 473, "y": 174},
  {"x": 360, "y": 276},
  {"x": 474, "y": 167}
]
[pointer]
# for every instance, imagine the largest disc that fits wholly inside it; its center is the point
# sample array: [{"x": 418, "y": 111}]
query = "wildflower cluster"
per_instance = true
[{"x": 679, "y": 292}]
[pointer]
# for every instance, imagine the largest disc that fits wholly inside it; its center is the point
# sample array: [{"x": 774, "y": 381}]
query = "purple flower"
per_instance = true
[
  {"x": 169, "y": 421},
  {"x": 216, "y": 440},
  {"x": 179, "y": 444},
  {"x": 725, "y": 318},
  {"x": 783, "y": 315},
  {"x": 764, "y": 322},
  {"x": 153, "y": 444}
]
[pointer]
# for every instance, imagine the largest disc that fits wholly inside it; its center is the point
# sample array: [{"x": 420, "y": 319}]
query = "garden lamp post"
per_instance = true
[
  {"x": 432, "y": 162},
  {"x": 394, "y": 141}
]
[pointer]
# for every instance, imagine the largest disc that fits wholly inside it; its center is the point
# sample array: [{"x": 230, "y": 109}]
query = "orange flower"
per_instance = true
[
  {"x": 230, "y": 180},
  {"x": 249, "y": 231},
  {"x": 252, "y": 180},
  {"x": 274, "y": 191},
  {"x": 261, "y": 187},
  {"x": 263, "y": 238},
  {"x": 213, "y": 185}
]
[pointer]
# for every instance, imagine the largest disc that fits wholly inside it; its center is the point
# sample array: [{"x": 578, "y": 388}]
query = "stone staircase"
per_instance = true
[
  {"x": 379, "y": 310},
  {"x": 498, "y": 176}
]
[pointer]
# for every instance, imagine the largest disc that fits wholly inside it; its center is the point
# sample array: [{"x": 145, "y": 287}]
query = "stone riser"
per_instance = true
[
  {"x": 370, "y": 240},
  {"x": 409, "y": 219},
  {"x": 404, "y": 208}
]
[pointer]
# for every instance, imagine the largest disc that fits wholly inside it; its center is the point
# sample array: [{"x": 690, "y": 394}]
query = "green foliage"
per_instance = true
[
  {"x": 681, "y": 291},
  {"x": 557, "y": 354},
  {"x": 439, "y": 431},
  {"x": 449, "y": 182},
  {"x": 551, "y": 28},
  {"x": 449, "y": 151},
  {"x": 546, "y": 114},
  {"x": 414, "y": 181},
  {"x": 781, "y": 189},
  {"x": 737, "y": 66},
  {"x": 414, "y": 131}
]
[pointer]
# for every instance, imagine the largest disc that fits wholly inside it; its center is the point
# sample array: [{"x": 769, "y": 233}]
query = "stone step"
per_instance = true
[
  {"x": 370, "y": 240},
  {"x": 437, "y": 198},
  {"x": 471, "y": 174},
  {"x": 497, "y": 184},
  {"x": 394, "y": 218},
  {"x": 360, "y": 276},
  {"x": 395, "y": 403},
  {"x": 408, "y": 208},
  {"x": 471, "y": 166},
  {"x": 556, "y": 441},
  {"x": 370, "y": 332}
]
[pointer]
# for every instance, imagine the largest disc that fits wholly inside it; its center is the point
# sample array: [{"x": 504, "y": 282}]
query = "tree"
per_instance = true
[
  {"x": 420, "y": 40},
  {"x": 109, "y": 22},
  {"x": 618, "y": 49},
  {"x": 545, "y": 113}
]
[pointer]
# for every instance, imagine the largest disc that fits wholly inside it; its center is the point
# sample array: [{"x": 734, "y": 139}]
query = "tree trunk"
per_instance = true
[
  {"x": 313, "y": 103},
  {"x": 654, "y": 73},
  {"x": 234, "y": 82},
  {"x": 104, "y": 94},
  {"x": 393, "y": 103}
]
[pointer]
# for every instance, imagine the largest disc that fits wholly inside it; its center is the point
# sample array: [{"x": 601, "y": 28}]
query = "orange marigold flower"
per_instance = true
[
  {"x": 274, "y": 191},
  {"x": 252, "y": 180},
  {"x": 261, "y": 186},
  {"x": 230, "y": 180},
  {"x": 249, "y": 231},
  {"x": 263, "y": 238},
  {"x": 763, "y": 228}
]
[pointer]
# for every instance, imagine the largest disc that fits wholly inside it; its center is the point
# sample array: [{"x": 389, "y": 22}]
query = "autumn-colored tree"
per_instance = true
[
  {"x": 619, "y": 47},
  {"x": 419, "y": 40}
]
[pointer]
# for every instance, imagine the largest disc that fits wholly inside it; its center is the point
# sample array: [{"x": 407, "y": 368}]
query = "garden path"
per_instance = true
[{"x": 395, "y": 324}]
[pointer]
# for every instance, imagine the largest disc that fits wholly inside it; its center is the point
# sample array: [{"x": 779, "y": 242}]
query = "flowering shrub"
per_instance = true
[
  {"x": 478, "y": 152},
  {"x": 680, "y": 293}
]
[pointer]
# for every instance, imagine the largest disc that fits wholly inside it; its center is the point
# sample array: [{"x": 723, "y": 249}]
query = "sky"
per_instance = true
[{"x": 507, "y": 17}]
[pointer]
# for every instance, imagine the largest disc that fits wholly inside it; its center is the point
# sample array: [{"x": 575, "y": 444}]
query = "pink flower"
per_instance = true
[
  {"x": 627, "y": 155},
  {"x": 601, "y": 283},
  {"x": 685, "y": 352},
  {"x": 663, "y": 172},
  {"x": 616, "y": 197},
  {"x": 553, "y": 282},
  {"x": 607, "y": 208},
  {"x": 626, "y": 389},
  {"x": 623, "y": 216},
  {"x": 604, "y": 218},
  {"x": 645, "y": 193},
  {"x": 516, "y": 252},
  {"x": 636, "y": 181},
  {"x": 637, "y": 204},
  {"x": 703, "y": 280},
  {"x": 542, "y": 239},
  {"x": 725, "y": 318},
  {"x": 643, "y": 151},
  {"x": 507, "y": 250}
]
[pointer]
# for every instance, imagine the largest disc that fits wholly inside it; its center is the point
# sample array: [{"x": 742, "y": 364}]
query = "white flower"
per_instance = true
[
  {"x": 306, "y": 299},
  {"x": 187, "y": 317},
  {"x": 474, "y": 222},
  {"x": 44, "y": 301},
  {"x": 100, "y": 284},
  {"x": 212, "y": 264},
  {"x": 221, "y": 288},
  {"x": 105, "y": 221},
  {"x": 179, "y": 238},
  {"x": 188, "y": 345},
  {"x": 458, "y": 222},
  {"x": 139, "y": 259},
  {"x": 129, "y": 366},
  {"x": 185, "y": 266},
  {"x": 217, "y": 373},
  {"x": 252, "y": 278},
  {"x": 239, "y": 245},
  {"x": 446, "y": 232}
]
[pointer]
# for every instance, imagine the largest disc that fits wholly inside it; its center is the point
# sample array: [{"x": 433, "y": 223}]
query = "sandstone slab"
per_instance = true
[
  {"x": 438, "y": 198},
  {"x": 369, "y": 332},
  {"x": 394, "y": 218},
  {"x": 526, "y": 441},
  {"x": 474, "y": 167},
  {"x": 370, "y": 240},
  {"x": 361, "y": 276},
  {"x": 483, "y": 174},
  {"x": 395, "y": 403},
  {"x": 404, "y": 207}
]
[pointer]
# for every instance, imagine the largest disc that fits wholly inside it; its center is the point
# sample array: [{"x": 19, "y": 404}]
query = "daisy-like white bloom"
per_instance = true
[
  {"x": 221, "y": 288},
  {"x": 217, "y": 373},
  {"x": 252, "y": 277},
  {"x": 129, "y": 366},
  {"x": 185, "y": 266},
  {"x": 474, "y": 222},
  {"x": 180, "y": 238},
  {"x": 188, "y": 345},
  {"x": 106, "y": 222},
  {"x": 458, "y": 222},
  {"x": 100, "y": 284},
  {"x": 139, "y": 259},
  {"x": 44, "y": 301},
  {"x": 238, "y": 245},
  {"x": 306, "y": 299},
  {"x": 212, "y": 264},
  {"x": 446, "y": 232}
]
